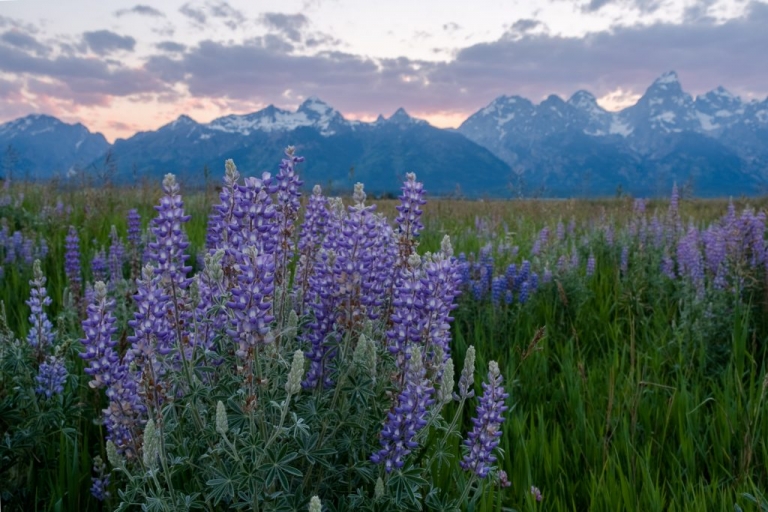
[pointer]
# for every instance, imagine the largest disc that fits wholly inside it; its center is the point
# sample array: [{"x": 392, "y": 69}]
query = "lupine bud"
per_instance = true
[
  {"x": 315, "y": 505},
  {"x": 359, "y": 194},
  {"x": 222, "y": 425},
  {"x": 445, "y": 392},
  {"x": 293, "y": 385},
  {"x": 378, "y": 491},
  {"x": 114, "y": 458},
  {"x": 151, "y": 445},
  {"x": 467, "y": 378}
]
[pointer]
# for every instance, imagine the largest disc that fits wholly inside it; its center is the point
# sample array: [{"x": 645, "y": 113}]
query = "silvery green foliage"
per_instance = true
[{"x": 307, "y": 372}]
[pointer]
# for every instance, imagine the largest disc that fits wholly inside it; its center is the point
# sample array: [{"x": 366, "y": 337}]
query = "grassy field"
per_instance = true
[{"x": 629, "y": 389}]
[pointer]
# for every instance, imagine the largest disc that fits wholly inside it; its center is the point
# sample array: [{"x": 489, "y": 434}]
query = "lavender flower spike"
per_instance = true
[
  {"x": 41, "y": 331},
  {"x": 99, "y": 326},
  {"x": 398, "y": 437},
  {"x": 484, "y": 437}
]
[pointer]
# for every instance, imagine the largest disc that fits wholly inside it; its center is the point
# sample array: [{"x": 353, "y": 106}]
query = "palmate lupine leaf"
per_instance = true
[{"x": 277, "y": 467}]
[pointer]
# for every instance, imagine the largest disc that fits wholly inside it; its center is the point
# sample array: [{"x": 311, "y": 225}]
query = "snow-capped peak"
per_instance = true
[
  {"x": 669, "y": 77},
  {"x": 312, "y": 113},
  {"x": 402, "y": 117},
  {"x": 583, "y": 100}
]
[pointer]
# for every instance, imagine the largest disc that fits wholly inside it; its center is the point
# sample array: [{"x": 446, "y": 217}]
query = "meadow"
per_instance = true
[{"x": 309, "y": 358}]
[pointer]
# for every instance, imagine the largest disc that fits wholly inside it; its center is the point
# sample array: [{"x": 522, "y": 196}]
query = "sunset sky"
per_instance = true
[{"x": 120, "y": 67}]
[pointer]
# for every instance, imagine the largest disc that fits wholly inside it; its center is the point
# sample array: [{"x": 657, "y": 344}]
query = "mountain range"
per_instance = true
[{"x": 716, "y": 144}]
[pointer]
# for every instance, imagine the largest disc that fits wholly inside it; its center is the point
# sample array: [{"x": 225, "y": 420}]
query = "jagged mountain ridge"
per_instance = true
[
  {"x": 716, "y": 142},
  {"x": 38, "y": 146}
]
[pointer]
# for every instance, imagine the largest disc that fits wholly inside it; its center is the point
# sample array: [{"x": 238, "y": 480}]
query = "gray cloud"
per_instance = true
[
  {"x": 451, "y": 27},
  {"x": 170, "y": 46},
  {"x": 231, "y": 16},
  {"x": 290, "y": 25},
  {"x": 644, "y": 6},
  {"x": 143, "y": 10},
  {"x": 193, "y": 13},
  {"x": 525, "y": 25},
  {"x": 103, "y": 42},
  {"x": 219, "y": 9},
  {"x": 23, "y": 40},
  {"x": 76, "y": 78}
]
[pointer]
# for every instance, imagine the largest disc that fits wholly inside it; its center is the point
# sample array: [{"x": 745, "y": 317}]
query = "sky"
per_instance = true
[{"x": 120, "y": 66}]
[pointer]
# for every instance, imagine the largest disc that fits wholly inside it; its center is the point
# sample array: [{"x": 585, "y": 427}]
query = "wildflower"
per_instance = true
[
  {"x": 408, "y": 416},
  {"x": 40, "y": 334},
  {"x": 99, "y": 326},
  {"x": 315, "y": 505},
  {"x": 536, "y": 493},
  {"x": 484, "y": 437},
  {"x": 51, "y": 377},
  {"x": 591, "y": 263},
  {"x": 100, "y": 483}
]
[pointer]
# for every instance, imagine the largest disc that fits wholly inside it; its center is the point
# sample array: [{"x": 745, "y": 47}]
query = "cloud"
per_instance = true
[
  {"x": 102, "y": 42},
  {"x": 170, "y": 46},
  {"x": 290, "y": 25},
  {"x": 643, "y": 6},
  {"x": 451, "y": 27},
  {"x": 77, "y": 78},
  {"x": 533, "y": 64},
  {"x": 231, "y": 16},
  {"x": 195, "y": 14},
  {"x": 218, "y": 9},
  {"x": 142, "y": 10},
  {"x": 525, "y": 25},
  {"x": 23, "y": 40}
]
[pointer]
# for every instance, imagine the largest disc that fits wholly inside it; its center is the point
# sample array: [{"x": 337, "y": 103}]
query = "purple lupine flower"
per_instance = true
[
  {"x": 624, "y": 260},
  {"x": 134, "y": 242},
  {"x": 408, "y": 416},
  {"x": 72, "y": 260},
  {"x": 409, "y": 210},
  {"x": 116, "y": 256},
  {"x": 407, "y": 306},
  {"x": 27, "y": 250},
  {"x": 51, "y": 377},
  {"x": 167, "y": 252},
  {"x": 99, "y": 266},
  {"x": 99, "y": 326},
  {"x": 498, "y": 289},
  {"x": 440, "y": 288},
  {"x": 574, "y": 257},
  {"x": 100, "y": 482},
  {"x": 689, "y": 259},
  {"x": 591, "y": 263},
  {"x": 42, "y": 249},
  {"x": 560, "y": 233},
  {"x": 251, "y": 301},
  {"x": 125, "y": 412},
  {"x": 40, "y": 335},
  {"x": 255, "y": 216},
  {"x": 522, "y": 296},
  {"x": 311, "y": 236},
  {"x": 222, "y": 232},
  {"x": 543, "y": 237},
  {"x": 484, "y": 437},
  {"x": 533, "y": 282},
  {"x": 151, "y": 330},
  {"x": 511, "y": 274},
  {"x": 536, "y": 493},
  {"x": 287, "y": 207},
  {"x": 546, "y": 278},
  {"x": 522, "y": 276},
  {"x": 668, "y": 266}
]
